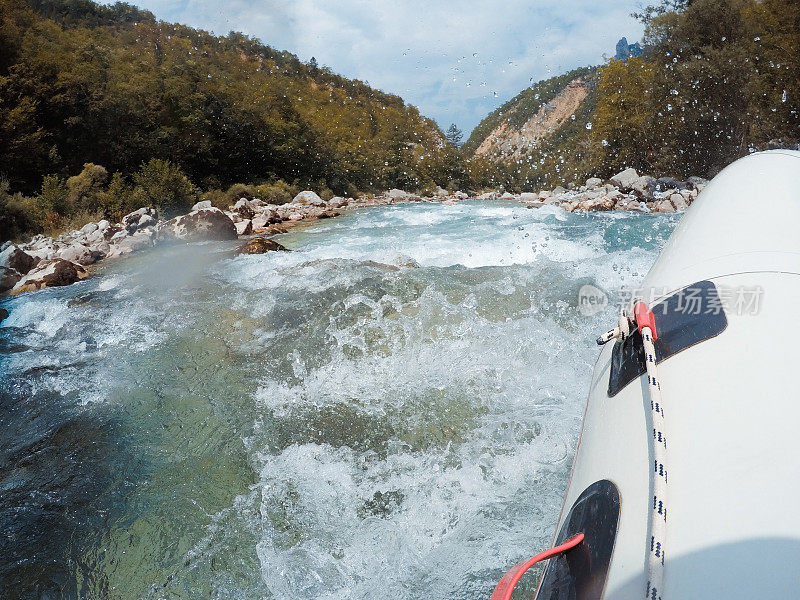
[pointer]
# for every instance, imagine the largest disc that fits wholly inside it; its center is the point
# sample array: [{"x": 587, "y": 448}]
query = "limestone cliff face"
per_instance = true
[{"x": 508, "y": 141}]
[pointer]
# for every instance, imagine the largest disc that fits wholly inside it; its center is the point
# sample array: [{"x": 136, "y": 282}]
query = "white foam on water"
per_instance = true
[{"x": 421, "y": 372}]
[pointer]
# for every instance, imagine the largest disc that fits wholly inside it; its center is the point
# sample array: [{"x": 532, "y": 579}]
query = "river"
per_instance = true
[{"x": 388, "y": 411}]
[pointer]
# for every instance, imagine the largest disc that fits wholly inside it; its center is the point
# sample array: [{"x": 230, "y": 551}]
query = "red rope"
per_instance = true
[{"x": 506, "y": 585}]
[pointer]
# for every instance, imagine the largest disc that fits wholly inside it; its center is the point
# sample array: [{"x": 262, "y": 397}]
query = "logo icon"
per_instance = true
[{"x": 591, "y": 300}]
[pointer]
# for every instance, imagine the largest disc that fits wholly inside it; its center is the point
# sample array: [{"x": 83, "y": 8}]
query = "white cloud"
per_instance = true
[{"x": 447, "y": 58}]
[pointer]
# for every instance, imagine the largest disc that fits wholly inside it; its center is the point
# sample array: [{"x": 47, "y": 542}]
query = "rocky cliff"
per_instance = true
[
  {"x": 508, "y": 141},
  {"x": 538, "y": 120}
]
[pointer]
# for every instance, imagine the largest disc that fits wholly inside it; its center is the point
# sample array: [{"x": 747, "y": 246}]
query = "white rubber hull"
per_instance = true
[{"x": 732, "y": 407}]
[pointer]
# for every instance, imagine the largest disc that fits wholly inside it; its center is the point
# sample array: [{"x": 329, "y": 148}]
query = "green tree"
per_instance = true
[
  {"x": 85, "y": 190},
  {"x": 454, "y": 135},
  {"x": 165, "y": 186},
  {"x": 624, "y": 114}
]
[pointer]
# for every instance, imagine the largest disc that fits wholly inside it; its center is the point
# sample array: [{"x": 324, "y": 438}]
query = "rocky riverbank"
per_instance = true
[
  {"x": 624, "y": 191},
  {"x": 47, "y": 262}
]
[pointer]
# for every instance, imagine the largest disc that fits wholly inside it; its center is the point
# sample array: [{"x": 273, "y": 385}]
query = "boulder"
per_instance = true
[
  {"x": 132, "y": 243},
  {"x": 198, "y": 225},
  {"x": 3, "y": 314},
  {"x": 203, "y": 204},
  {"x": 338, "y": 202},
  {"x": 139, "y": 219},
  {"x": 243, "y": 208},
  {"x": 679, "y": 202},
  {"x": 13, "y": 257},
  {"x": 8, "y": 278},
  {"x": 663, "y": 206},
  {"x": 89, "y": 228},
  {"x": 308, "y": 198},
  {"x": 111, "y": 231},
  {"x": 267, "y": 217},
  {"x": 244, "y": 227},
  {"x": 296, "y": 212},
  {"x": 528, "y": 197},
  {"x": 487, "y": 196},
  {"x": 459, "y": 195},
  {"x": 625, "y": 179},
  {"x": 50, "y": 273},
  {"x": 559, "y": 189},
  {"x": 665, "y": 184},
  {"x": 260, "y": 245},
  {"x": 598, "y": 203},
  {"x": 507, "y": 196},
  {"x": 118, "y": 236},
  {"x": 545, "y": 194},
  {"x": 697, "y": 183},
  {"x": 593, "y": 182},
  {"x": 78, "y": 253},
  {"x": 641, "y": 185},
  {"x": 95, "y": 237}
]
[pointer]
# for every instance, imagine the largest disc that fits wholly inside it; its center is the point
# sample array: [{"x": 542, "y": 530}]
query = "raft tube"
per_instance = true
[{"x": 731, "y": 410}]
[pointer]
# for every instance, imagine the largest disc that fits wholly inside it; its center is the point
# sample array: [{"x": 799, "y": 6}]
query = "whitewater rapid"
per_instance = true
[{"x": 389, "y": 410}]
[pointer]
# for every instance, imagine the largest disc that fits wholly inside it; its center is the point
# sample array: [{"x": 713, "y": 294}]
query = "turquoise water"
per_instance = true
[{"x": 390, "y": 410}]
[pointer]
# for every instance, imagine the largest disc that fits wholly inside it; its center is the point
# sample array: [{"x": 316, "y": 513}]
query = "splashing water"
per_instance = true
[{"x": 390, "y": 410}]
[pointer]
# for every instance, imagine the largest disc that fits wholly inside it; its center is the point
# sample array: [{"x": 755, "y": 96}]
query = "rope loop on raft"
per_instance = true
[
  {"x": 643, "y": 319},
  {"x": 506, "y": 585}
]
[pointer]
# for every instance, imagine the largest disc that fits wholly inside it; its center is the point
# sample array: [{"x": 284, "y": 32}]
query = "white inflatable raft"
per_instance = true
[{"x": 731, "y": 411}]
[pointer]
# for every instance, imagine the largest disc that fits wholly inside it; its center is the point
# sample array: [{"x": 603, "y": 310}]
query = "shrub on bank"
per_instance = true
[
  {"x": 166, "y": 187},
  {"x": 278, "y": 192}
]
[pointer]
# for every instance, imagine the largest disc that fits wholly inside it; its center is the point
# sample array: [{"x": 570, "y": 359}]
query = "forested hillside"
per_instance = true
[
  {"x": 112, "y": 86},
  {"x": 717, "y": 79}
]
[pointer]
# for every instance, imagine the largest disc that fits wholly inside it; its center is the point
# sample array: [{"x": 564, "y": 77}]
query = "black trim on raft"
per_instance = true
[
  {"x": 580, "y": 574},
  {"x": 691, "y": 315}
]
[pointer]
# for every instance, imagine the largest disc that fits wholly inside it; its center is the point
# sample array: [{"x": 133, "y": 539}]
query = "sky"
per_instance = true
[{"x": 455, "y": 61}]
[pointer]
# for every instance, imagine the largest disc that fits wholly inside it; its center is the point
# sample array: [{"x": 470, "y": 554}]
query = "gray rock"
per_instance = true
[
  {"x": 308, "y": 198},
  {"x": 204, "y": 224},
  {"x": 528, "y": 197},
  {"x": 89, "y": 228},
  {"x": 593, "y": 182},
  {"x": 663, "y": 206},
  {"x": 625, "y": 179},
  {"x": 260, "y": 245},
  {"x": 78, "y": 253},
  {"x": 338, "y": 202},
  {"x": 13, "y": 257},
  {"x": 139, "y": 219},
  {"x": 664, "y": 184},
  {"x": 140, "y": 240},
  {"x": 8, "y": 278},
  {"x": 202, "y": 205},
  {"x": 50, "y": 273},
  {"x": 244, "y": 227},
  {"x": 679, "y": 202},
  {"x": 118, "y": 237},
  {"x": 641, "y": 185},
  {"x": 265, "y": 218},
  {"x": 697, "y": 182},
  {"x": 243, "y": 208}
]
